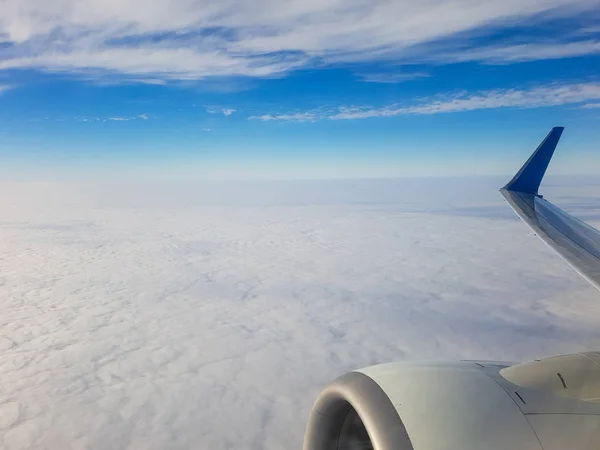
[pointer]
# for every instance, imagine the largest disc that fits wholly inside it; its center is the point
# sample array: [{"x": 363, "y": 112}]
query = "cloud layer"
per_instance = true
[
  {"x": 209, "y": 316},
  {"x": 194, "y": 39}
]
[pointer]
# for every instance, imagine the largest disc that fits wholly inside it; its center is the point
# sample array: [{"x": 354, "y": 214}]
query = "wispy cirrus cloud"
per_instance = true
[
  {"x": 105, "y": 119},
  {"x": 392, "y": 78},
  {"x": 5, "y": 87},
  {"x": 506, "y": 54},
  {"x": 224, "y": 111},
  {"x": 127, "y": 118},
  {"x": 198, "y": 39},
  {"x": 308, "y": 116},
  {"x": 535, "y": 97}
]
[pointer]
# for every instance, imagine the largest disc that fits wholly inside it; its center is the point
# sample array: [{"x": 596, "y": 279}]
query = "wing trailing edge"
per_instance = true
[{"x": 575, "y": 241}]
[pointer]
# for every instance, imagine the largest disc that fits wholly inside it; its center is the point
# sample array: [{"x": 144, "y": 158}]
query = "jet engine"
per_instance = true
[{"x": 547, "y": 404}]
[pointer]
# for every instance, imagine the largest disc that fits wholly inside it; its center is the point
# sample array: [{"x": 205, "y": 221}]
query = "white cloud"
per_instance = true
[
  {"x": 589, "y": 30},
  {"x": 5, "y": 87},
  {"x": 393, "y": 77},
  {"x": 127, "y": 118},
  {"x": 224, "y": 111},
  {"x": 590, "y": 106},
  {"x": 535, "y": 97},
  {"x": 195, "y": 39},
  {"x": 310, "y": 116},
  {"x": 506, "y": 54},
  {"x": 100, "y": 118},
  {"x": 177, "y": 316}
]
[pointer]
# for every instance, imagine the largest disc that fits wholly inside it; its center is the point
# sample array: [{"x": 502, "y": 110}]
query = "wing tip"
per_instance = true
[{"x": 529, "y": 177}]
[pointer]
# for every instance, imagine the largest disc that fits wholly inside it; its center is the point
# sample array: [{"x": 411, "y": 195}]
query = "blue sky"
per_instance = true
[{"x": 296, "y": 89}]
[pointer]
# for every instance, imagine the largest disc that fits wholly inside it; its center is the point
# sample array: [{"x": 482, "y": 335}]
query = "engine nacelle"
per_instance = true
[{"x": 549, "y": 404}]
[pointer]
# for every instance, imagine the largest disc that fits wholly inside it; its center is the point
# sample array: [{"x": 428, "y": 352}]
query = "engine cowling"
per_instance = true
[{"x": 549, "y": 404}]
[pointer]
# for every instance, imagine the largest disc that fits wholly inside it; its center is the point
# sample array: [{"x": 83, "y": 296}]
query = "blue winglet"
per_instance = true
[{"x": 528, "y": 179}]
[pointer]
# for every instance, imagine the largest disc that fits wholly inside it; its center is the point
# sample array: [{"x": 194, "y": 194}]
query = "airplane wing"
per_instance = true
[
  {"x": 575, "y": 241},
  {"x": 546, "y": 404}
]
